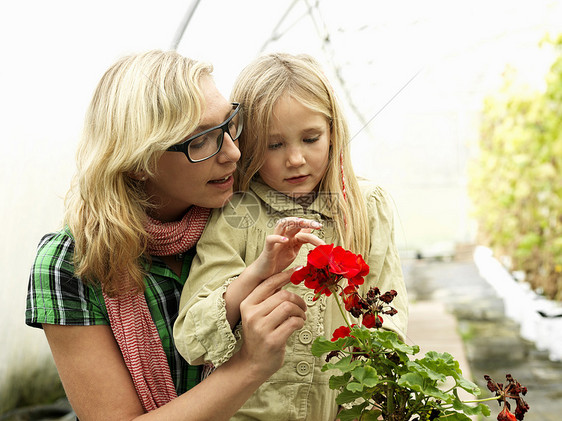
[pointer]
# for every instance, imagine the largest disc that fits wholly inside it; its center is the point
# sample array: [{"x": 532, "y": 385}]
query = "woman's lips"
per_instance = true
[{"x": 225, "y": 182}]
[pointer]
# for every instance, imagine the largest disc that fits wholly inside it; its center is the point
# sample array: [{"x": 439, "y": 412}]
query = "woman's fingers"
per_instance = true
[
  {"x": 269, "y": 324},
  {"x": 269, "y": 316},
  {"x": 269, "y": 294},
  {"x": 268, "y": 287},
  {"x": 286, "y": 328},
  {"x": 269, "y": 306},
  {"x": 280, "y": 307}
]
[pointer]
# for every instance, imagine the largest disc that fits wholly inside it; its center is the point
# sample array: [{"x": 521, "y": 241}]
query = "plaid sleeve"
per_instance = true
[{"x": 55, "y": 295}]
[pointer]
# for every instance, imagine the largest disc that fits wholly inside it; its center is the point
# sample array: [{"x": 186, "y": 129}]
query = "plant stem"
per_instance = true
[
  {"x": 494, "y": 398},
  {"x": 338, "y": 302}
]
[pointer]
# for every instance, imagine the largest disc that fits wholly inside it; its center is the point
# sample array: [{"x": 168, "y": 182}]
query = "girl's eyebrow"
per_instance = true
[
  {"x": 275, "y": 136},
  {"x": 312, "y": 129}
]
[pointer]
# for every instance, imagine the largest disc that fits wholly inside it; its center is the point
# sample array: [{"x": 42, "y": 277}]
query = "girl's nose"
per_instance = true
[
  {"x": 229, "y": 150},
  {"x": 295, "y": 157}
]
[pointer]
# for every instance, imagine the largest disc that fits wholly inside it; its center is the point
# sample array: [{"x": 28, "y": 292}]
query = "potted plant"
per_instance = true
[{"x": 378, "y": 376}]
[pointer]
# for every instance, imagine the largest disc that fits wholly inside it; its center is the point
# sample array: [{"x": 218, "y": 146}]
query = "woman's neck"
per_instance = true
[{"x": 166, "y": 214}]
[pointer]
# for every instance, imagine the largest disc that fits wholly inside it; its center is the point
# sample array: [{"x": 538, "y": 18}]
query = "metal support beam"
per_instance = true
[{"x": 183, "y": 24}]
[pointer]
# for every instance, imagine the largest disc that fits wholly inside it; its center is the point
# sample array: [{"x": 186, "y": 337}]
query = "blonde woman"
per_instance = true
[
  {"x": 159, "y": 148},
  {"x": 295, "y": 164}
]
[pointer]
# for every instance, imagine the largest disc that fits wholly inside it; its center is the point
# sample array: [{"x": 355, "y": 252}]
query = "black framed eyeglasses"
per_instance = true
[{"x": 208, "y": 143}]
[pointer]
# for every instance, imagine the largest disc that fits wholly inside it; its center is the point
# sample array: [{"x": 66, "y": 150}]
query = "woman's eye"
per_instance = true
[
  {"x": 311, "y": 139},
  {"x": 200, "y": 143}
]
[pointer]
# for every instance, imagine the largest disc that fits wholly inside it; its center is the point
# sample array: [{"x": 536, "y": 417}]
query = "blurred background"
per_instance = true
[{"x": 413, "y": 77}]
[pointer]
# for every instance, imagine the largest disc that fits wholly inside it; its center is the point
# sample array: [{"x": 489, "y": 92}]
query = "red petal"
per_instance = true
[{"x": 320, "y": 255}]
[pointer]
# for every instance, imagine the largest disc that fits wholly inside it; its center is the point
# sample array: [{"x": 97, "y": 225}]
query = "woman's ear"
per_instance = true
[{"x": 138, "y": 175}]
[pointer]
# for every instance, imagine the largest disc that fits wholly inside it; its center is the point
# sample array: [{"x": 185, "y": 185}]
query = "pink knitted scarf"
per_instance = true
[{"x": 132, "y": 324}]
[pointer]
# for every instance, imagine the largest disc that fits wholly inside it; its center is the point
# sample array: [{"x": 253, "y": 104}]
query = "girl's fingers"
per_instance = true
[
  {"x": 273, "y": 239},
  {"x": 305, "y": 236},
  {"x": 309, "y": 238},
  {"x": 290, "y": 226}
]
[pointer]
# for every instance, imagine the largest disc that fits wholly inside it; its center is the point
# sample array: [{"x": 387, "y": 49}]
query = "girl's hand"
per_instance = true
[{"x": 282, "y": 247}]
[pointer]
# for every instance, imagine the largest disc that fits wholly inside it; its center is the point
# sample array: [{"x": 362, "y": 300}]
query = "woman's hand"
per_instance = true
[{"x": 269, "y": 316}]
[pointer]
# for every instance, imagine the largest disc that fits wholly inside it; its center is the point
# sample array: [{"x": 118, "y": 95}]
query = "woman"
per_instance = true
[{"x": 158, "y": 149}]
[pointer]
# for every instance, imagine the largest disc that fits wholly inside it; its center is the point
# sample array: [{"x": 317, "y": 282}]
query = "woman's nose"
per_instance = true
[{"x": 229, "y": 150}]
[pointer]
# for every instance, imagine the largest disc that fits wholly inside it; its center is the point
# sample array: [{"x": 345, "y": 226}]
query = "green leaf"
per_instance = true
[
  {"x": 442, "y": 363},
  {"x": 469, "y": 386},
  {"x": 347, "y": 396},
  {"x": 337, "y": 382},
  {"x": 390, "y": 341},
  {"x": 418, "y": 383},
  {"x": 469, "y": 409},
  {"x": 372, "y": 415},
  {"x": 344, "y": 365},
  {"x": 355, "y": 387},
  {"x": 418, "y": 366},
  {"x": 453, "y": 416},
  {"x": 366, "y": 375},
  {"x": 353, "y": 413},
  {"x": 322, "y": 346}
]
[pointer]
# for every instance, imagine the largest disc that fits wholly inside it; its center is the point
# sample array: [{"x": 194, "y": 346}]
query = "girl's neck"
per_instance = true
[{"x": 306, "y": 199}]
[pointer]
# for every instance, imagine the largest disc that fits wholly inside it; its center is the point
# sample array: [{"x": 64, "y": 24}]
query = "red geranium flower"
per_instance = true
[
  {"x": 505, "y": 415},
  {"x": 372, "y": 320},
  {"x": 352, "y": 301},
  {"x": 341, "y": 332},
  {"x": 327, "y": 265},
  {"x": 512, "y": 389}
]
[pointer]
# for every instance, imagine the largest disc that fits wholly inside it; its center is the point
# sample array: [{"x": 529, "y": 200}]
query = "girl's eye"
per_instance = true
[
  {"x": 311, "y": 140},
  {"x": 273, "y": 146}
]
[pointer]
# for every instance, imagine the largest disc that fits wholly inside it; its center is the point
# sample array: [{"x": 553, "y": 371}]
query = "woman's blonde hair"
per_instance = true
[
  {"x": 258, "y": 87},
  {"x": 142, "y": 105}
]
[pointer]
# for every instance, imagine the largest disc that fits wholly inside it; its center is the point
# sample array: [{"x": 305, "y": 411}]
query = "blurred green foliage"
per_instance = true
[
  {"x": 516, "y": 183},
  {"x": 30, "y": 383}
]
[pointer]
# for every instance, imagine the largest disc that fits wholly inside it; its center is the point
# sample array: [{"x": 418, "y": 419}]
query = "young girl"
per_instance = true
[{"x": 295, "y": 164}]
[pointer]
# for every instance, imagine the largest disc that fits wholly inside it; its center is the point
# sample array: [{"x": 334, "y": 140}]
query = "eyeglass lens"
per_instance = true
[{"x": 210, "y": 143}]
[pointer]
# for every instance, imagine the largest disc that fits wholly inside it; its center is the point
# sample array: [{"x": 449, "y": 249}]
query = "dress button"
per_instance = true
[
  {"x": 303, "y": 368},
  {"x": 309, "y": 299},
  {"x": 305, "y": 336}
]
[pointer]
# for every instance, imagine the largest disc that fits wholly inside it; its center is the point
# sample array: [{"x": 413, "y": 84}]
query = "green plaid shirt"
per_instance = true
[{"x": 56, "y": 296}]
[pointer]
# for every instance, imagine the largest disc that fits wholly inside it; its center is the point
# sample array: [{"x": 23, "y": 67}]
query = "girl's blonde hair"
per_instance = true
[
  {"x": 142, "y": 105},
  {"x": 258, "y": 88}
]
